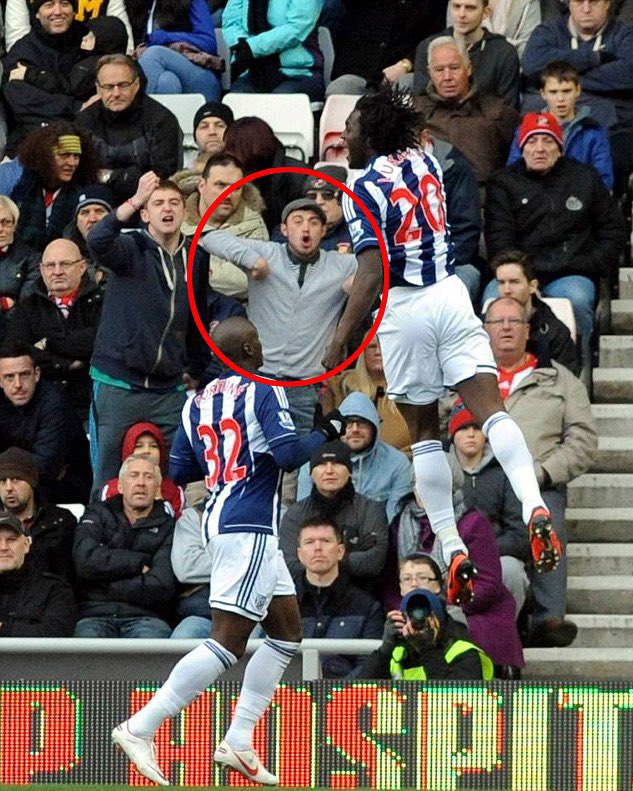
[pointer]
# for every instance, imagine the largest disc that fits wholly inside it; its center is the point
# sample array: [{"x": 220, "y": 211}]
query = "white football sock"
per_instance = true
[
  {"x": 189, "y": 678},
  {"x": 261, "y": 678},
  {"x": 511, "y": 451},
  {"x": 434, "y": 482}
]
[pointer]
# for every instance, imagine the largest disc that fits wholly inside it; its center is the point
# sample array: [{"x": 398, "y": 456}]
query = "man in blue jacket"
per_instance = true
[
  {"x": 379, "y": 471},
  {"x": 147, "y": 338},
  {"x": 601, "y": 50}
]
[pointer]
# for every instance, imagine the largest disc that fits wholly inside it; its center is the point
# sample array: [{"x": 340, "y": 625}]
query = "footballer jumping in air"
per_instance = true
[{"x": 429, "y": 336}]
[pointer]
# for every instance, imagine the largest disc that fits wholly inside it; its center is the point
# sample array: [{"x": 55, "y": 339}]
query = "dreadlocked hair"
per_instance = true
[{"x": 389, "y": 121}]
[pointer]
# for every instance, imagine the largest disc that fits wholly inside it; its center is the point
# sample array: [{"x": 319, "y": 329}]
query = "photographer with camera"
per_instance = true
[{"x": 421, "y": 641}]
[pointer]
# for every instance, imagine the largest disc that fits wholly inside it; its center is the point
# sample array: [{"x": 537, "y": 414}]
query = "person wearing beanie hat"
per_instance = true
[
  {"x": 335, "y": 452},
  {"x": 209, "y": 125},
  {"x": 49, "y": 527},
  {"x": 460, "y": 417},
  {"x": 540, "y": 124},
  {"x": 328, "y": 197},
  {"x": 133, "y": 132}
]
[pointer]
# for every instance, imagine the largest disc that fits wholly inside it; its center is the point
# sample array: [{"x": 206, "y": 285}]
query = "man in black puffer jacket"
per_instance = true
[
  {"x": 122, "y": 555},
  {"x": 132, "y": 132}
]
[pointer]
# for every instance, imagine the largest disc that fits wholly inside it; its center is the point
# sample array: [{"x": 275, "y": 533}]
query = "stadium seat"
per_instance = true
[
  {"x": 288, "y": 114},
  {"x": 225, "y": 53},
  {"x": 76, "y": 509},
  {"x": 184, "y": 107},
  {"x": 337, "y": 108}
]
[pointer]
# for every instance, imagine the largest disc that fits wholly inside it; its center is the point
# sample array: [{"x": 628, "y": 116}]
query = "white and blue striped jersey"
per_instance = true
[
  {"x": 404, "y": 192},
  {"x": 234, "y": 427}
]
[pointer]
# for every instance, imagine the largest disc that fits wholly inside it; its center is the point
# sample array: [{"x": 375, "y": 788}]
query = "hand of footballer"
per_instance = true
[
  {"x": 332, "y": 425},
  {"x": 334, "y": 355}
]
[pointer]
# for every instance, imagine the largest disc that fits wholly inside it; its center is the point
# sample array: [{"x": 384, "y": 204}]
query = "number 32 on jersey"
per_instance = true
[{"x": 231, "y": 434}]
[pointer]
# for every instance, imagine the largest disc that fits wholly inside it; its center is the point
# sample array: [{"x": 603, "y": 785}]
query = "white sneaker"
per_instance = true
[
  {"x": 246, "y": 762},
  {"x": 141, "y": 752}
]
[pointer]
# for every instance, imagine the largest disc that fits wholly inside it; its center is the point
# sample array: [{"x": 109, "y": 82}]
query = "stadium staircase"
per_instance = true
[{"x": 600, "y": 522}]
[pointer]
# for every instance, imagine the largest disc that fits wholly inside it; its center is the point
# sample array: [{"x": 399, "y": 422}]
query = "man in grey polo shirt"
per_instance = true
[{"x": 296, "y": 293}]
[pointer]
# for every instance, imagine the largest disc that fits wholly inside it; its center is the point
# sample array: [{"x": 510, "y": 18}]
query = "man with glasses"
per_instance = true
[
  {"x": 552, "y": 408},
  {"x": 58, "y": 321},
  {"x": 133, "y": 133},
  {"x": 600, "y": 48}
]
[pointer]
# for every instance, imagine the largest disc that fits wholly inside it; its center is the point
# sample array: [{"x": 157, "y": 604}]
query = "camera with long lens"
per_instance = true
[{"x": 416, "y": 607}]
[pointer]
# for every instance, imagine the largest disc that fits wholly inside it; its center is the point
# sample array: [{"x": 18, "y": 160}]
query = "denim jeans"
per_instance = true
[
  {"x": 107, "y": 626},
  {"x": 314, "y": 86},
  {"x": 168, "y": 71},
  {"x": 471, "y": 278},
  {"x": 193, "y": 626}
]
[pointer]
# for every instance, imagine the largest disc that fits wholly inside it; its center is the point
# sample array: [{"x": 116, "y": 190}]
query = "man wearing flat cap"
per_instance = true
[
  {"x": 33, "y": 602},
  {"x": 560, "y": 213},
  {"x": 36, "y": 81},
  {"x": 50, "y": 528},
  {"x": 362, "y": 521},
  {"x": 296, "y": 294}
]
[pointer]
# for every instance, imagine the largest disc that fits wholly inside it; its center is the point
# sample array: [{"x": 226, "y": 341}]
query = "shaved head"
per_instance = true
[{"x": 237, "y": 338}]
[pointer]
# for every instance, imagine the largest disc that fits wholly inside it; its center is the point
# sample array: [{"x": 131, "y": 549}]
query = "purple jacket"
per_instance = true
[{"x": 491, "y": 614}]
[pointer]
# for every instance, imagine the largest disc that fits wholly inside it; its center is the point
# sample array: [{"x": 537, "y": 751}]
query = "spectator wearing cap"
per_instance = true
[
  {"x": 209, "y": 125},
  {"x": 18, "y": 262},
  {"x": 132, "y": 132},
  {"x": 94, "y": 203},
  {"x": 561, "y": 214},
  {"x": 296, "y": 293},
  {"x": 240, "y": 214},
  {"x": 49, "y": 527},
  {"x": 379, "y": 471},
  {"x": 487, "y": 489},
  {"x": 36, "y": 415},
  {"x": 36, "y": 79},
  {"x": 59, "y": 321},
  {"x": 420, "y": 639},
  {"x": 328, "y": 196},
  {"x": 362, "y": 521},
  {"x": 33, "y": 602}
]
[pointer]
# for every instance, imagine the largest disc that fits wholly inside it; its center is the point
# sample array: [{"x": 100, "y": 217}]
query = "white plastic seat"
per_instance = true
[
  {"x": 76, "y": 509},
  {"x": 184, "y": 106},
  {"x": 225, "y": 53},
  {"x": 331, "y": 145},
  {"x": 288, "y": 114}
]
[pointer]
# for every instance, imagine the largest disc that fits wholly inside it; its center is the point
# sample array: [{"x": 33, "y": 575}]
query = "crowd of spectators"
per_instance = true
[{"x": 528, "y": 108}]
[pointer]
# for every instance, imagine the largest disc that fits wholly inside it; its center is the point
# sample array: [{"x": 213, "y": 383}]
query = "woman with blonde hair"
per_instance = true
[{"x": 368, "y": 377}]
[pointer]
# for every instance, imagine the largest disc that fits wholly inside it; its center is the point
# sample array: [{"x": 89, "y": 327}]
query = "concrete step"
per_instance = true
[
  {"x": 613, "y": 420},
  {"x": 613, "y": 385},
  {"x": 615, "y": 454},
  {"x": 603, "y": 595},
  {"x": 616, "y": 351},
  {"x": 626, "y": 283},
  {"x": 599, "y": 525},
  {"x": 622, "y": 316},
  {"x": 603, "y": 631},
  {"x": 594, "y": 559},
  {"x": 579, "y": 663},
  {"x": 595, "y": 490}
]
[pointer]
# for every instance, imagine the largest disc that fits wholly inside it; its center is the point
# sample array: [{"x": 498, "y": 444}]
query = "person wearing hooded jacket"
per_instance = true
[
  {"x": 147, "y": 439},
  {"x": 379, "y": 471},
  {"x": 147, "y": 338}
]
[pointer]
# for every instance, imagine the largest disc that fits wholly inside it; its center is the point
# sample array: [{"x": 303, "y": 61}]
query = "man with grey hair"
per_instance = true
[
  {"x": 481, "y": 127},
  {"x": 122, "y": 557},
  {"x": 494, "y": 60}
]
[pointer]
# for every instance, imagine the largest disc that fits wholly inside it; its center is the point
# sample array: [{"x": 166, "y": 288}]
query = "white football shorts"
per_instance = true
[
  {"x": 431, "y": 339},
  {"x": 247, "y": 570}
]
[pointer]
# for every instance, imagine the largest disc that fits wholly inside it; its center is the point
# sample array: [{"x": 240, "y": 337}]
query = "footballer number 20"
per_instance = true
[
  {"x": 232, "y": 436},
  {"x": 431, "y": 201}
]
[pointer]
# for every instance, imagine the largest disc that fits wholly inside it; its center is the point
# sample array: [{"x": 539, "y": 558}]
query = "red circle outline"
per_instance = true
[{"x": 385, "y": 278}]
